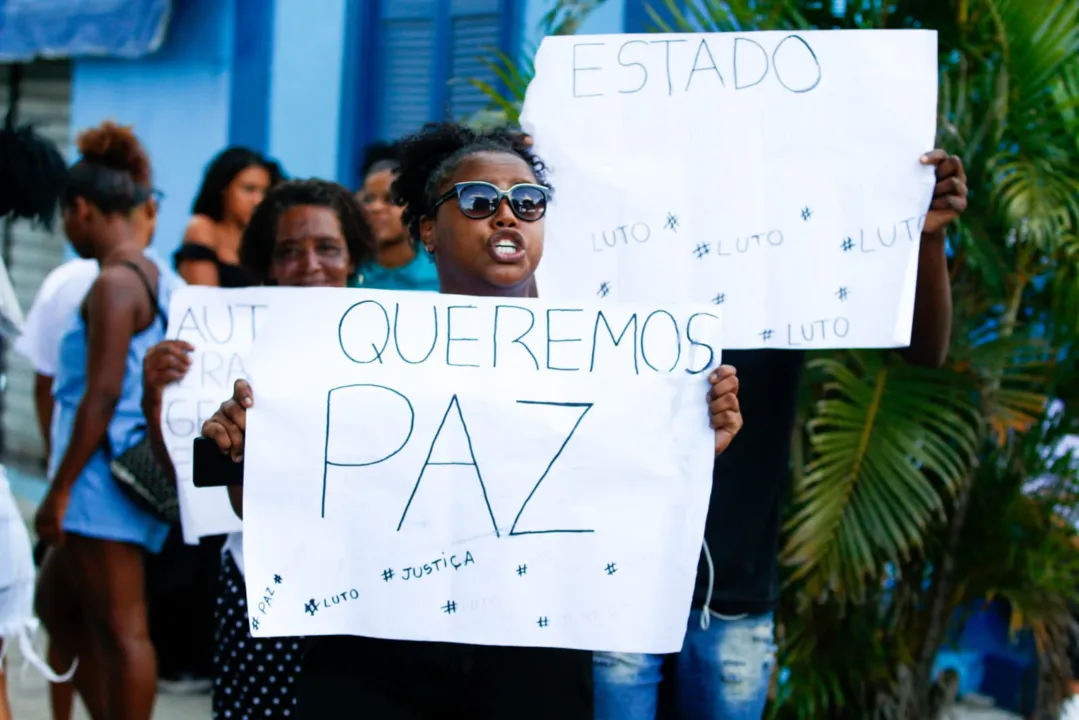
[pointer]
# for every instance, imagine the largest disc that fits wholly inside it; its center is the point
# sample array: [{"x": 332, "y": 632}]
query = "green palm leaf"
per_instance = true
[
  {"x": 884, "y": 438},
  {"x": 672, "y": 16}
]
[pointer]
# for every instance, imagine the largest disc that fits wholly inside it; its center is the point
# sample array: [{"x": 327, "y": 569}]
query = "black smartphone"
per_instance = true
[{"x": 213, "y": 468}]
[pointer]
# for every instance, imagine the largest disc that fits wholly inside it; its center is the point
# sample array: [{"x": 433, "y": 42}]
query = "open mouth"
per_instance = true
[{"x": 506, "y": 247}]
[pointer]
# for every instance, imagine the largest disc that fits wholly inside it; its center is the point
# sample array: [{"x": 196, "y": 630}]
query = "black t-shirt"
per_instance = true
[
  {"x": 390, "y": 679},
  {"x": 749, "y": 486},
  {"x": 228, "y": 275}
]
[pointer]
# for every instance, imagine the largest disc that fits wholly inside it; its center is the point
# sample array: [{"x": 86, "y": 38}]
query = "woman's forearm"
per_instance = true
[
  {"x": 236, "y": 498},
  {"x": 152, "y": 412},
  {"x": 87, "y": 437},
  {"x": 43, "y": 408}
]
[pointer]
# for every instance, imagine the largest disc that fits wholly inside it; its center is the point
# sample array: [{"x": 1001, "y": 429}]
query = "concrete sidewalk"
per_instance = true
[
  {"x": 29, "y": 696},
  {"x": 28, "y": 691}
]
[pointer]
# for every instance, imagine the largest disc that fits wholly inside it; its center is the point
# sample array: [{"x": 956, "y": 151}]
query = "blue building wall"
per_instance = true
[
  {"x": 177, "y": 99},
  {"x": 306, "y": 85},
  {"x": 286, "y": 77}
]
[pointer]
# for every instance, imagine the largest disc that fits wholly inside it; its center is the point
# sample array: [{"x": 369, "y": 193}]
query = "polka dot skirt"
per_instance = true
[{"x": 254, "y": 678}]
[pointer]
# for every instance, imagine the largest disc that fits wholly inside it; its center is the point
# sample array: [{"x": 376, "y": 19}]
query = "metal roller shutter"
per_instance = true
[{"x": 44, "y": 101}]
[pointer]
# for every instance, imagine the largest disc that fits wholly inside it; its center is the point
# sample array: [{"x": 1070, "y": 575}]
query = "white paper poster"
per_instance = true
[
  {"x": 478, "y": 470},
  {"x": 775, "y": 175},
  {"x": 221, "y": 325}
]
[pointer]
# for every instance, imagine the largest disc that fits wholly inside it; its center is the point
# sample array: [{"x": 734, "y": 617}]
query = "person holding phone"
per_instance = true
[
  {"x": 476, "y": 200},
  {"x": 307, "y": 233}
]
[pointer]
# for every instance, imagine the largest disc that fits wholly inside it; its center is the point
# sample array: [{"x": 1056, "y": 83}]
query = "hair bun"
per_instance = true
[{"x": 115, "y": 147}]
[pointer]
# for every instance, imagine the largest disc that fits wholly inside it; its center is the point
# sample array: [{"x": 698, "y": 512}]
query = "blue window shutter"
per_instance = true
[
  {"x": 475, "y": 33},
  {"x": 407, "y": 55},
  {"x": 425, "y": 53}
]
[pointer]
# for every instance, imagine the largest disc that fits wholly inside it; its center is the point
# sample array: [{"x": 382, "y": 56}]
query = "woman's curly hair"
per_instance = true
[
  {"x": 260, "y": 236},
  {"x": 428, "y": 158},
  {"x": 32, "y": 175},
  {"x": 113, "y": 171}
]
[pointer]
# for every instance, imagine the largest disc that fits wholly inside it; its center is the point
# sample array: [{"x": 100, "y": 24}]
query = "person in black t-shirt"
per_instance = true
[
  {"x": 453, "y": 182},
  {"x": 725, "y": 666}
]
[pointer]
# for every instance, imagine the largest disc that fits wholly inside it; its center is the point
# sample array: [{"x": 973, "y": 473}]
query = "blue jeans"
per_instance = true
[{"x": 722, "y": 673}]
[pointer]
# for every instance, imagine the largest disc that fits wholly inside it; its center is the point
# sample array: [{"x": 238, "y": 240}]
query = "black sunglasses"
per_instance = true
[{"x": 479, "y": 200}]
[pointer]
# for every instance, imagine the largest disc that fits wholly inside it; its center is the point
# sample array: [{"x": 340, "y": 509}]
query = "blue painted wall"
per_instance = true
[
  {"x": 270, "y": 74},
  {"x": 178, "y": 100},
  {"x": 306, "y": 85}
]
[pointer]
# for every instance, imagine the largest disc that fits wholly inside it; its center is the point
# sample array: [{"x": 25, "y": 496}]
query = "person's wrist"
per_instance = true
[
  {"x": 934, "y": 236},
  {"x": 60, "y": 488},
  {"x": 152, "y": 414}
]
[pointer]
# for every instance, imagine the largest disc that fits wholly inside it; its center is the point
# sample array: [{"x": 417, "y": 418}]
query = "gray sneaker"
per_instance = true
[{"x": 184, "y": 685}]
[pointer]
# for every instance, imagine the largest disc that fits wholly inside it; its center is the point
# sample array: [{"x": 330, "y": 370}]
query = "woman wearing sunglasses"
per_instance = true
[{"x": 476, "y": 201}]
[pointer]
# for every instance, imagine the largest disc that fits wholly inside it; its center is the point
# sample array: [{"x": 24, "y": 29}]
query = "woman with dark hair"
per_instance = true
[
  {"x": 477, "y": 202},
  {"x": 304, "y": 234},
  {"x": 96, "y": 534},
  {"x": 235, "y": 183},
  {"x": 182, "y": 577},
  {"x": 397, "y": 264}
]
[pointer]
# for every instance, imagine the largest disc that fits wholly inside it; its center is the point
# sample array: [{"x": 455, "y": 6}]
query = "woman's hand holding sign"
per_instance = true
[
  {"x": 723, "y": 406},
  {"x": 950, "y": 192},
  {"x": 228, "y": 424}
]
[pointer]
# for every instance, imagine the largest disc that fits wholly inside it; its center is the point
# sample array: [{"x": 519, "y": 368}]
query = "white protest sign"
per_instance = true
[
  {"x": 478, "y": 470},
  {"x": 776, "y": 175},
  {"x": 221, "y": 325}
]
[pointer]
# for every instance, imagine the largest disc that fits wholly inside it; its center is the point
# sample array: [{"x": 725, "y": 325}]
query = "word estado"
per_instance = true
[
  {"x": 678, "y": 64},
  {"x": 518, "y": 337}
]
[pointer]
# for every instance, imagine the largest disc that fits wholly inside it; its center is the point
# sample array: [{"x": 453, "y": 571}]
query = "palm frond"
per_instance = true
[
  {"x": 566, "y": 16},
  {"x": 1014, "y": 373},
  {"x": 1040, "y": 39},
  {"x": 671, "y": 16},
  {"x": 885, "y": 441},
  {"x": 1036, "y": 195}
]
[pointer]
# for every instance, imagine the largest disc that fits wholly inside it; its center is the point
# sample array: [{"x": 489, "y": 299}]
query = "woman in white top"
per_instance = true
[{"x": 33, "y": 174}]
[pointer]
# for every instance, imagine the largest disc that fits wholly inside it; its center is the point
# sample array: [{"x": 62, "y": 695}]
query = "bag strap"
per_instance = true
[
  {"x": 158, "y": 312},
  {"x": 150, "y": 291}
]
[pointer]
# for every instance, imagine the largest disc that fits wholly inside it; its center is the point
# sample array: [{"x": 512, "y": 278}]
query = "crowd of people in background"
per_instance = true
[{"x": 133, "y": 609}]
